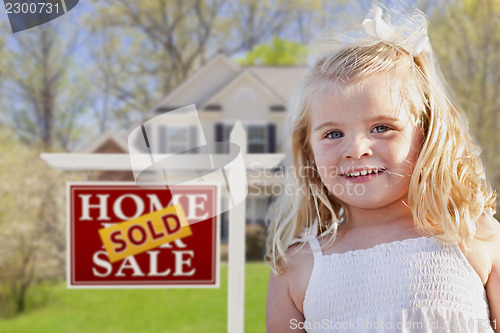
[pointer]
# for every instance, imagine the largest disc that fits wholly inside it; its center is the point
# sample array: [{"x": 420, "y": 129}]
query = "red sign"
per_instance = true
[{"x": 190, "y": 261}]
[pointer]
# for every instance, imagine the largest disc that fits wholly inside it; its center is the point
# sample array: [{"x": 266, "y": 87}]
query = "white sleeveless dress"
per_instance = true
[{"x": 414, "y": 285}]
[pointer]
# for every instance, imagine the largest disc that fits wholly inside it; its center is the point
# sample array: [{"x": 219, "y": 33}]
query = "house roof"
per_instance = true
[
  {"x": 281, "y": 80},
  {"x": 278, "y": 81},
  {"x": 108, "y": 142},
  {"x": 220, "y": 64},
  {"x": 247, "y": 77}
]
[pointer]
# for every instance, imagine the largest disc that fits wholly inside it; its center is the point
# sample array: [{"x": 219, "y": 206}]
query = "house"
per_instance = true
[{"x": 223, "y": 93}]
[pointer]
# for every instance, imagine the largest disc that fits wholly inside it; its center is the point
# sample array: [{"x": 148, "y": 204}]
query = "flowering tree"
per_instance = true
[{"x": 32, "y": 241}]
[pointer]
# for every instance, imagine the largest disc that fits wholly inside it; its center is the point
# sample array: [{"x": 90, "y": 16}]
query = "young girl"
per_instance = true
[{"x": 390, "y": 227}]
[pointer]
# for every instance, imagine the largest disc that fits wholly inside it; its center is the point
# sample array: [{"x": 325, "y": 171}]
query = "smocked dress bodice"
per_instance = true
[{"x": 414, "y": 285}]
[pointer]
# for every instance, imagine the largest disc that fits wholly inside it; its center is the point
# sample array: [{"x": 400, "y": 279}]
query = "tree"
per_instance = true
[
  {"x": 251, "y": 22},
  {"x": 466, "y": 38},
  {"x": 279, "y": 51},
  {"x": 147, "y": 48},
  {"x": 32, "y": 241},
  {"x": 44, "y": 102}
]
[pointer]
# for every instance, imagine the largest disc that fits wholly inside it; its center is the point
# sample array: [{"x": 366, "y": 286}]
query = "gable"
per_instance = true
[
  {"x": 202, "y": 85},
  {"x": 109, "y": 147},
  {"x": 245, "y": 88},
  {"x": 107, "y": 143},
  {"x": 281, "y": 79}
]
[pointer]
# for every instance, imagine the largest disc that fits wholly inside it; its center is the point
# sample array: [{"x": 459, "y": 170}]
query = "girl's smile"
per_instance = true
[
  {"x": 362, "y": 175},
  {"x": 364, "y": 136}
]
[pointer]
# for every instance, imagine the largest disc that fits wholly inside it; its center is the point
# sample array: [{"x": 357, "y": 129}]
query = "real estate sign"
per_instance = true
[{"x": 121, "y": 235}]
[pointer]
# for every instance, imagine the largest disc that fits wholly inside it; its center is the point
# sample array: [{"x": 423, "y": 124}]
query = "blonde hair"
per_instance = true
[{"x": 448, "y": 190}]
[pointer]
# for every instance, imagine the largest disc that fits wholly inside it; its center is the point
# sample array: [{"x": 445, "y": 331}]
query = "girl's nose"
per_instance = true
[{"x": 357, "y": 147}]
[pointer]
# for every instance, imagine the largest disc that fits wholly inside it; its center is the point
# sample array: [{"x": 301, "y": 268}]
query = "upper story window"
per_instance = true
[
  {"x": 277, "y": 108},
  {"x": 213, "y": 107}
]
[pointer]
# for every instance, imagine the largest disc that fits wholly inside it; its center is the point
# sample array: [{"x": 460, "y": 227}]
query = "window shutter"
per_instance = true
[
  {"x": 271, "y": 138},
  {"x": 219, "y": 136}
]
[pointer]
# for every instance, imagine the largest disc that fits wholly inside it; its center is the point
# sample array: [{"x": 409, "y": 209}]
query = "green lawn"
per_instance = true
[{"x": 142, "y": 310}]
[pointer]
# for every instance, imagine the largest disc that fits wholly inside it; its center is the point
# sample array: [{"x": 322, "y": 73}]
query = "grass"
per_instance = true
[{"x": 141, "y": 310}]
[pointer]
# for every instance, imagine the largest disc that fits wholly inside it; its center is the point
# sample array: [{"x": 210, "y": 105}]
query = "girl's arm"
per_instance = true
[
  {"x": 493, "y": 292},
  {"x": 281, "y": 313},
  {"x": 493, "y": 282},
  {"x": 286, "y": 292}
]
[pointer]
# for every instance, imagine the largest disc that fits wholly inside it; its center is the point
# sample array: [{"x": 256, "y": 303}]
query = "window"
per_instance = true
[
  {"x": 213, "y": 107},
  {"x": 227, "y": 132},
  {"x": 261, "y": 138},
  {"x": 257, "y": 139},
  {"x": 277, "y": 108},
  {"x": 256, "y": 209},
  {"x": 174, "y": 139}
]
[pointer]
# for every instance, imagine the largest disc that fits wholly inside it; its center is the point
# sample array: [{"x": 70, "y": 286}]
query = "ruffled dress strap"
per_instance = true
[{"x": 315, "y": 247}]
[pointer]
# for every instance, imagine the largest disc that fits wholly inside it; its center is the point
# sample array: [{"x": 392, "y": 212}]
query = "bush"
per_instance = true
[{"x": 255, "y": 242}]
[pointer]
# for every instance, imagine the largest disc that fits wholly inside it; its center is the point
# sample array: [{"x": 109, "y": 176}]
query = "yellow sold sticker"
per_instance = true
[{"x": 145, "y": 232}]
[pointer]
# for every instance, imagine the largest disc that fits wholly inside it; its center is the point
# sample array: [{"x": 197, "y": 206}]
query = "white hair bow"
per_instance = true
[{"x": 414, "y": 44}]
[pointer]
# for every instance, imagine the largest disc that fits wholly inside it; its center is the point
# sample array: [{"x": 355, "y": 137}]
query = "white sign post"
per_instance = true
[{"x": 236, "y": 264}]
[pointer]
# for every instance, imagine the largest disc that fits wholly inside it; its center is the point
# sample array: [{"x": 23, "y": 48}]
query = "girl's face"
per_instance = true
[{"x": 365, "y": 145}]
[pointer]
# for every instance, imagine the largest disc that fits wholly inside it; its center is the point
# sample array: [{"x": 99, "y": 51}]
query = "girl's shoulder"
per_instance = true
[
  {"x": 489, "y": 247},
  {"x": 285, "y": 292},
  {"x": 483, "y": 253},
  {"x": 297, "y": 273}
]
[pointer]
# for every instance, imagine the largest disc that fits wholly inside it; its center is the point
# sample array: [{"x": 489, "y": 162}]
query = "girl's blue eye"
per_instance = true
[
  {"x": 334, "y": 135},
  {"x": 380, "y": 129}
]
